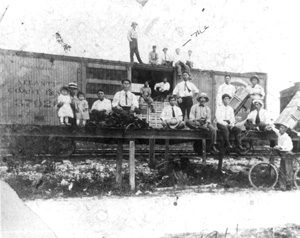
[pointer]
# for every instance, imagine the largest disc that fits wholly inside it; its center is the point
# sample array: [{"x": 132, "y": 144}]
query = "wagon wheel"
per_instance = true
[{"x": 63, "y": 147}]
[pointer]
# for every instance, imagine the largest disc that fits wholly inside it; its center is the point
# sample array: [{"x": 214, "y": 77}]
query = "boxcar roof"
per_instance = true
[{"x": 114, "y": 62}]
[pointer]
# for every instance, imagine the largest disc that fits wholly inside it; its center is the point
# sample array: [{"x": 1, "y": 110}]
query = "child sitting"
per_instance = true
[
  {"x": 285, "y": 145},
  {"x": 82, "y": 109},
  {"x": 64, "y": 107}
]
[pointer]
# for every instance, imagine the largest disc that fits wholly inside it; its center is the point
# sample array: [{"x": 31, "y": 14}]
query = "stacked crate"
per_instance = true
[{"x": 152, "y": 118}]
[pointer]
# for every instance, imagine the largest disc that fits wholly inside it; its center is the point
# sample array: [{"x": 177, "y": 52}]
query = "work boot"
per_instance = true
[
  {"x": 240, "y": 147},
  {"x": 228, "y": 145}
]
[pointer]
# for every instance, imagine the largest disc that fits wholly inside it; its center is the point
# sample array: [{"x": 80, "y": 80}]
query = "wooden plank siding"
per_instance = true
[{"x": 30, "y": 86}]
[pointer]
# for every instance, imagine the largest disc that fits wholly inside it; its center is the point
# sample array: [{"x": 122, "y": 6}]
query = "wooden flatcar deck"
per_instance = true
[{"x": 128, "y": 135}]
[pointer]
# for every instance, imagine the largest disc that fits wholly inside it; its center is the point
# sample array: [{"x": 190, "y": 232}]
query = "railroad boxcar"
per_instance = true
[{"x": 29, "y": 83}]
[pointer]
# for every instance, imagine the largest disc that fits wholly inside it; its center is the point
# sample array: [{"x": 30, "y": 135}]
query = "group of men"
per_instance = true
[{"x": 177, "y": 60}]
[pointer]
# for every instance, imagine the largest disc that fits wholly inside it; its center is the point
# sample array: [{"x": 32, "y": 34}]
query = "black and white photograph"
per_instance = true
[{"x": 149, "y": 119}]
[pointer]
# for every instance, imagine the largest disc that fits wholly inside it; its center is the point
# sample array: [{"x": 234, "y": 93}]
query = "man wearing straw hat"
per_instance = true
[
  {"x": 284, "y": 146},
  {"x": 255, "y": 90},
  {"x": 132, "y": 37},
  {"x": 165, "y": 58},
  {"x": 200, "y": 118},
  {"x": 259, "y": 118}
]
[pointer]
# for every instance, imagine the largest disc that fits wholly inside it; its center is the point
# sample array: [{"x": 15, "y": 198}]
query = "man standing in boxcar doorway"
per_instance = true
[
  {"x": 185, "y": 91},
  {"x": 132, "y": 37}
]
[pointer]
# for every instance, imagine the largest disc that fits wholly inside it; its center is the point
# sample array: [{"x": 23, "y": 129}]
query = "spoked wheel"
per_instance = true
[
  {"x": 263, "y": 175},
  {"x": 297, "y": 178}
]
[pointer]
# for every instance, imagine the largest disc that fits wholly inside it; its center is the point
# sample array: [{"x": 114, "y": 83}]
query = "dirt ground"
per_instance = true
[{"x": 236, "y": 214}]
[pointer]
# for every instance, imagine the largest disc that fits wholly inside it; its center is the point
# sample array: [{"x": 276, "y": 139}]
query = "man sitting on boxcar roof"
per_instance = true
[
  {"x": 171, "y": 116},
  {"x": 226, "y": 123},
  {"x": 124, "y": 100},
  {"x": 200, "y": 118},
  {"x": 101, "y": 108},
  {"x": 259, "y": 118}
]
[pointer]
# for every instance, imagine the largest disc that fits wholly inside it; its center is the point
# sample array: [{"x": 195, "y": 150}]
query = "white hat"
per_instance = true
[
  {"x": 173, "y": 123},
  {"x": 259, "y": 101}
]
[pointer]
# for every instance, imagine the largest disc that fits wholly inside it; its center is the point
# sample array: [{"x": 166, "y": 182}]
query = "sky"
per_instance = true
[{"x": 242, "y": 36}]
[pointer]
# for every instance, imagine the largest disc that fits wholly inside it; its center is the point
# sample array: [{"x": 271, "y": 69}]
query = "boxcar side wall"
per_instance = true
[{"x": 29, "y": 87}]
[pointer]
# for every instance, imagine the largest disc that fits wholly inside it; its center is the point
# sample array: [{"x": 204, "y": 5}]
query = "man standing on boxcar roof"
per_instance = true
[
  {"x": 255, "y": 90},
  {"x": 125, "y": 101},
  {"x": 225, "y": 88},
  {"x": 185, "y": 91},
  {"x": 132, "y": 37},
  {"x": 101, "y": 108},
  {"x": 200, "y": 118}
]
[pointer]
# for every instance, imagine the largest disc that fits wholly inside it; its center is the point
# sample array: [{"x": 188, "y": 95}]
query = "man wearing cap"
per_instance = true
[
  {"x": 225, "y": 88},
  {"x": 258, "y": 118},
  {"x": 284, "y": 146},
  {"x": 125, "y": 101},
  {"x": 166, "y": 59},
  {"x": 226, "y": 121},
  {"x": 185, "y": 91},
  {"x": 153, "y": 56},
  {"x": 255, "y": 90},
  {"x": 132, "y": 37},
  {"x": 162, "y": 88},
  {"x": 100, "y": 108},
  {"x": 200, "y": 118},
  {"x": 179, "y": 63},
  {"x": 171, "y": 116}
]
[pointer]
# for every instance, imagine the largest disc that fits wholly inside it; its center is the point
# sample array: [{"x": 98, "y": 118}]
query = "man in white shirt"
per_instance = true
[
  {"x": 258, "y": 118},
  {"x": 185, "y": 91},
  {"x": 225, "y": 88},
  {"x": 179, "y": 63},
  {"x": 189, "y": 60},
  {"x": 125, "y": 101},
  {"x": 100, "y": 108},
  {"x": 162, "y": 89},
  {"x": 165, "y": 58},
  {"x": 153, "y": 56},
  {"x": 200, "y": 118},
  {"x": 255, "y": 90},
  {"x": 226, "y": 121},
  {"x": 284, "y": 146},
  {"x": 171, "y": 116},
  {"x": 132, "y": 37}
]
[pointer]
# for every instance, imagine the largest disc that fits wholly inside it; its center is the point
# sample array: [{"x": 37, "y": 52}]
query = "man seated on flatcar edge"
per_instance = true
[
  {"x": 125, "y": 101},
  {"x": 259, "y": 118},
  {"x": 171, "y": 116},
  {"x": 226, "y": 123},
  {"x": 200, "y": 118},
  {"x": 101, "y": 107}
]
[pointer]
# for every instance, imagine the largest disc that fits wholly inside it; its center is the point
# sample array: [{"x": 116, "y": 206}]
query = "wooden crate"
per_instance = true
[
  {"x": 291, "y": 114},
  {"x": 240, "y": 97}
]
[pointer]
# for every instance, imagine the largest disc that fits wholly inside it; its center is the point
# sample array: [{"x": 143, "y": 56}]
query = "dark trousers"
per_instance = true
[
  {"x": 196, "y": 125},
  {"x": 133, "y": 45},
  {"x": 225, "y": 130},
  {"x": 179, "y": 65},
  {"x": 185, "y": 106},
  {"x": 98, "y": 116},
  {"x": 286, "y": 168},
  {"x": 125, "y": 110}
]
